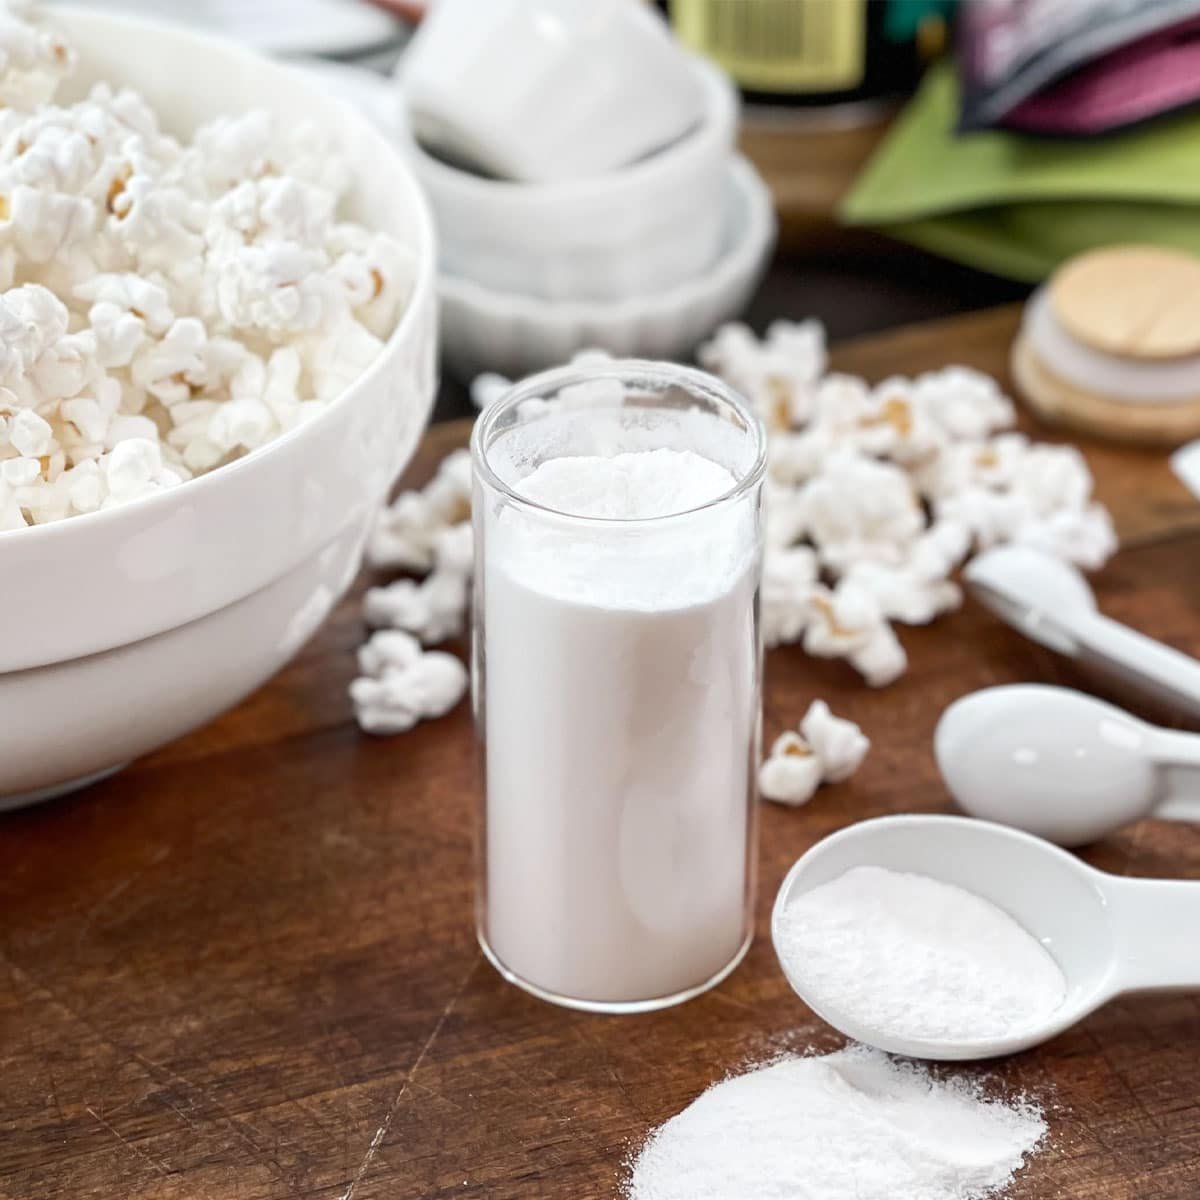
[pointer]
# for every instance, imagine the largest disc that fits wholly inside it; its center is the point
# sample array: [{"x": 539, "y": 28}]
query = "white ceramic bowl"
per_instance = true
[
  {"x": 128, "y": 627},
  {"x": 485, "y": 330},
  {"x": 628, "y": 233},
  {"x": 542, "y": 90}
]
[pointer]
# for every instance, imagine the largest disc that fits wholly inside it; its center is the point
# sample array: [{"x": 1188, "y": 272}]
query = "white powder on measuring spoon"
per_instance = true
[
  {"x": 914, "y": 957},
  {"x": 855, "y": 1125}
]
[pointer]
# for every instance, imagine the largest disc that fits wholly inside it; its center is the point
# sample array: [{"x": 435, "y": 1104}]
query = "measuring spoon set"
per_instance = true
[
  {"x": 1055, "y": 762},
  {"x": 1035, "y": 765}
]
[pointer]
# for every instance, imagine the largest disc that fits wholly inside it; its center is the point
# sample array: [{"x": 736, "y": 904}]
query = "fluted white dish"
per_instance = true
[
  {"x": 621, "y": 235},
  {"x": 486, "y": 330},
  {"x": 546, "y": 90},
  {"x": 128, "y": 627}
]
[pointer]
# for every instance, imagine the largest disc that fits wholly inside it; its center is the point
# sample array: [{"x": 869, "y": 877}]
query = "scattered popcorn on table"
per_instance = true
[
  {"x": 454, "y": 550},
  {"x": 838, "y": 744},
  {"x": 402, "y": 684},
  {"x": 388, "y": 649},
  {"x": 200, "y": 298},
  {"x": 1084, "y": 537},
  {"x": 424, "y": 532},
  {"x": 848, "y": 622},
  {"x": 881, "y": 659},
  {"x": 827, "y": 749},
  {"x": 902, "y": 594},
  {"x": 791, "y": 773},
  {"x": 860, "y": 510},
  {"x": 776, "y": 375},
  {"x": 432, "y": 610},
  {"x": 789, "y": 577},
  {"x": 403, "y": 534},
  {"x": 428, "y": 532},
  {"x": 786, "y": 516},
  {"x": 449, "y": 491},
  {"x": 875, "y": 495}
]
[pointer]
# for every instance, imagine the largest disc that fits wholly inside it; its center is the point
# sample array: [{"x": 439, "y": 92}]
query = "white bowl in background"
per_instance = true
[
  {"x": 543, "y": 90},
  {"x": 485, "y": 330},
  {"x": 128, "y": 627},
  {"x": 629, "y": 233}
]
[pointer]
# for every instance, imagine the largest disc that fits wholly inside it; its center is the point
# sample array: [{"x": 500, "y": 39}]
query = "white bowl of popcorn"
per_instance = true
[{"x": 216, "y": 353}]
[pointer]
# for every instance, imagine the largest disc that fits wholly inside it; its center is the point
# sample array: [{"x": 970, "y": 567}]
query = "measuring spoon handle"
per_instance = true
[
  {"x": 1177, "y": 755},
  {"x": 1156, "y": 923},
  {"x": 1178, "y": 806},
  {"x": 1169, "y": 674}
]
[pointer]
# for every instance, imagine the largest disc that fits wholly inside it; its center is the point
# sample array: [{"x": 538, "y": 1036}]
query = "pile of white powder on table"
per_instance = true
[
  {"x": 854, "y": 1125},
  {"x": 913, "y": 957}
]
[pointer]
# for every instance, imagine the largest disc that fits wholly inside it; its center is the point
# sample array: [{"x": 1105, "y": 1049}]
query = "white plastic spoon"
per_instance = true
[
  {"x": 1185, "y": 462},
  {"x": 1063, "y": 765},
  {"x": 1109, "y": 935},
  {"x": 1050, "y": 602}
]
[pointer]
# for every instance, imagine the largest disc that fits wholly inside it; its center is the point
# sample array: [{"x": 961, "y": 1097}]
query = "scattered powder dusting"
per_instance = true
[
  {"x": 853, "y": 1125},
  {"x": 633, "y": 486},
  {"x": 914, "y": 957}
]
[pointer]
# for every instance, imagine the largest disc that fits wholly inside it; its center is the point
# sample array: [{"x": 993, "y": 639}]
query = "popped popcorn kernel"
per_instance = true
[
  {"x": 432, "y": 610},
  {"x": 839, "y": 745},
  {"x": 827, "y": 749},
  {"x": 141, "y": 274},
  {"x": 791, "y": 773},
  {"x": 402, "y": 684}
]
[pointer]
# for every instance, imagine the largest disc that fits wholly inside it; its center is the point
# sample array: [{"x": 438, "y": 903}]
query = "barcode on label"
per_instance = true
[{"x": 778, "y": 45}]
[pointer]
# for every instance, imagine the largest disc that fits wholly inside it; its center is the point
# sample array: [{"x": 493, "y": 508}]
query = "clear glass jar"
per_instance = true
[{"x": 617, "y": 695}]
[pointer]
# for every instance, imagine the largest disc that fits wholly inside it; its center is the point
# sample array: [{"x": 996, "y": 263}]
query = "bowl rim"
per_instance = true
[
  {"x": 717, "y": 125},
  {"x": 425, "y": 256},
  {"x": 753, "y": 238}
]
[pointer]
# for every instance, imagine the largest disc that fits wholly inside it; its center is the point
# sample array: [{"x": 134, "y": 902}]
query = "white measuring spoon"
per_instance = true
[
  {"x": 1109, "y": 935},
  {"x": 1050, "y": 602},
  {"x": 1063, "y": 765},
  {"x": 1185, "y": 462}
]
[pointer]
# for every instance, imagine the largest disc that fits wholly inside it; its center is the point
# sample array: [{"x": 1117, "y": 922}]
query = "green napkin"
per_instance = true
[{"x": 1017, "y": 204}]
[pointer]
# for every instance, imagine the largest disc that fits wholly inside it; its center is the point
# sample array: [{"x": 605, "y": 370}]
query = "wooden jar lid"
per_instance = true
[
  {"x": 1059, "y": 402},
  {"x": 1140, "y": 302}
]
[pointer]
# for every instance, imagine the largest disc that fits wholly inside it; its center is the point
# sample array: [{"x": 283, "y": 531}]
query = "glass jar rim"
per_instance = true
[{"x": 628, "y": 370}]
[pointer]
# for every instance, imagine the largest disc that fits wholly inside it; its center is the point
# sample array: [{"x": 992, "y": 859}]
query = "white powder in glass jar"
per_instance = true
[
  {"x": 633, "y": 486},
  {"x": 620, "y": 670},
  {"x": 914, "y": 957}
]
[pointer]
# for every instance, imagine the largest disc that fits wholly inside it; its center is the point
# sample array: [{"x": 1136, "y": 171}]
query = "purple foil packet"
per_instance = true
[
  {"x": 1156, "y": 75},
  {"x": 1009, "y": 50}
]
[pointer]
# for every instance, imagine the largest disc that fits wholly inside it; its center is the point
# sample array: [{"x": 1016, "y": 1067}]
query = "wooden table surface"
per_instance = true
[{"x": 244, "y": 968}]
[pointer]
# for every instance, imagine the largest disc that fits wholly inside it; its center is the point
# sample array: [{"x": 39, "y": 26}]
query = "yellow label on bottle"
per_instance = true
[{"x": 785, "y": 46}]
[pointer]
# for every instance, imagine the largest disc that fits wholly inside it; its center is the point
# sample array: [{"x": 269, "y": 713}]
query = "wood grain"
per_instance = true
[{"x": 244, "y": 969}]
